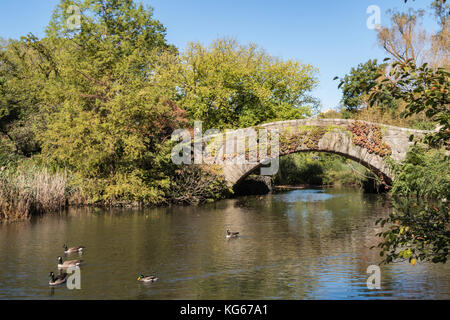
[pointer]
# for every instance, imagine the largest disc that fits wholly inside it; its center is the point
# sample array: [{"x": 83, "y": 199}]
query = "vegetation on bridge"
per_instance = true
[{"x": 370, "y": 137}]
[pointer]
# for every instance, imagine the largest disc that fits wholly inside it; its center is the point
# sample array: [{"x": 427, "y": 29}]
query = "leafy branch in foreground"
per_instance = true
[
  {"x": 416, "y": 232},
  {"x": 424, "y": 89},
  {"x": 418, "y": 229}
]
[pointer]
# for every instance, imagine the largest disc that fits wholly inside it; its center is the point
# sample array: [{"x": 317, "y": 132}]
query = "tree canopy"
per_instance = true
[
  {"x": 229, "y": 85},
  {"x": 356, "y": 85},
  {"x": 100, "y": 96}
]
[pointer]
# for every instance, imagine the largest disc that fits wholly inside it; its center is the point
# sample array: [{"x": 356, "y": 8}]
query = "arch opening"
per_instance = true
[{"x": 376, "y": 171}]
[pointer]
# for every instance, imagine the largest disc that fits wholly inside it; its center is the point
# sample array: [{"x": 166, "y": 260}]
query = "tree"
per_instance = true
[
  {"x": 419, "y": 231},
  {"x": 228, "y": 85},
  {"x": 20, "y": 87},
  {"x": 421, "y": 87},
  {"x": 101, "y": 99},
  {"x": 405, "y": 39},
  {"x": 424, "y": 89},
  {"x": 107, "y": 106},
  {"x": 424, "y": 174},
  {"x": 358, "y": 83},
  {"x": 441, "y": 39}
]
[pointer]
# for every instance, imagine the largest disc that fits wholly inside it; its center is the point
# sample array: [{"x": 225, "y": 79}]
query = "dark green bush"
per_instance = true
[{"x": 424, "y": 174}]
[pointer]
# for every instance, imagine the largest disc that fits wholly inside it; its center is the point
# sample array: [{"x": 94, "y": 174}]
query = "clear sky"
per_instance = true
[{"x": 329, "y": 34}]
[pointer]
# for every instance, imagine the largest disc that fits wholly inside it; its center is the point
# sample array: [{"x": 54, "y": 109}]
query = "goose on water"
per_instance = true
[
  {"x": 59, "y": 279},
  {"x": 143, "y": 278},
  {"x": 68, "y": 263},
  {"x": 72, "y": 249},
  {"x": 232, "y": 234}
]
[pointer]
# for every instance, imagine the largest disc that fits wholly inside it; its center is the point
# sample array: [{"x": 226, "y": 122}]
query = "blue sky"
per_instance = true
[{"x": 331, "y": 35}]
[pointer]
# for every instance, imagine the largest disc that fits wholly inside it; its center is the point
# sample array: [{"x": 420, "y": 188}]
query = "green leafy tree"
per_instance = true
[
  {"x": 424, "y": 174},
  {"x": 22, "y": 71},
  {"x": 416, "y": 231},
  {"x": 356, "y": 85},
  {"x": 228, "y": 85},
  {"x": 424, "y": 89},
  {"x": 107, "y": 106},
  {"x": 101, "y": 99}
]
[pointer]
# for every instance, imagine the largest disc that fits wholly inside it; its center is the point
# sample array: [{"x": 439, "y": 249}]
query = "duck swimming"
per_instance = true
[
  {"x": 232, "y": 234},
  {"x": 143, "y": 278},
  {"x": 68, "y": 263},
  {"x": 59, "y": 279},
  {"x": 72, "y": 249}
]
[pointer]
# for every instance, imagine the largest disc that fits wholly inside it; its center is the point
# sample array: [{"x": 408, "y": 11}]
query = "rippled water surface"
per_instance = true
[{"x": 302, "y": 244}]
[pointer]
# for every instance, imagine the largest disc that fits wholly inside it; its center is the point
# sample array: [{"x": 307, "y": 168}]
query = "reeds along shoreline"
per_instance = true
[{"x": 30, "y": 191}]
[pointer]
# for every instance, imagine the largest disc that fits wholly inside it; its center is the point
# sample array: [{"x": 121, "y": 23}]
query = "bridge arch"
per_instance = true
[
  {"x": 370, "y": 144},
  {"x": 252, "y": 169}
]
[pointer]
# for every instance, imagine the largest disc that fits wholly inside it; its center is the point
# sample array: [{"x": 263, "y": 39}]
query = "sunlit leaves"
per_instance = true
[
  {"x": 229, "y": 85},
  {"x": 424, "y": 89},
  {"x": 357, "y": 84},
  {"x": 109, "y": 109},
  {"x": 416, "y": 231}
]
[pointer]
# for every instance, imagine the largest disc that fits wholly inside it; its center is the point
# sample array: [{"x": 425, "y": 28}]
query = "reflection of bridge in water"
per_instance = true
[{"x": 367, "y": 143}]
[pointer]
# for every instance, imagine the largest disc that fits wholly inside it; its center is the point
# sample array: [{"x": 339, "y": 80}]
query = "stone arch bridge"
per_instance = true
[{"x": 370, "y": 144}]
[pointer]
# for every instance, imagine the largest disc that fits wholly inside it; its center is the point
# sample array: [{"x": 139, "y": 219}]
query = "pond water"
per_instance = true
[{"x": 301, "y": 244}]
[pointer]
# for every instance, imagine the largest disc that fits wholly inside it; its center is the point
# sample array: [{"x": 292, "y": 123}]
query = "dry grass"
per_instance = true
[{"x": 31, "y": 191}]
